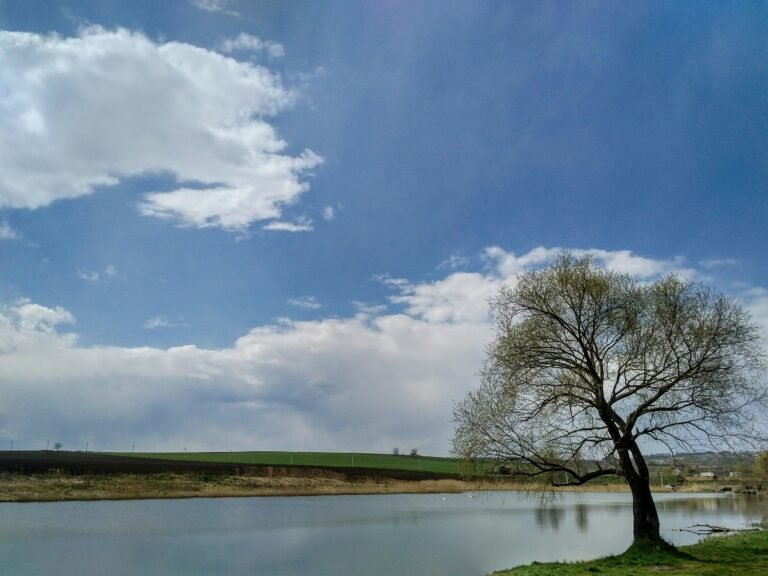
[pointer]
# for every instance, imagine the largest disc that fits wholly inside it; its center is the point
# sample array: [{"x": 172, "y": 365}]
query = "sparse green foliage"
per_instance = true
[{"x": 587, "y": 364}]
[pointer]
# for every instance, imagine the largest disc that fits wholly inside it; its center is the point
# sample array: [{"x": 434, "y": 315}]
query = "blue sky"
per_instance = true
[{"x": 234, "y": 225}]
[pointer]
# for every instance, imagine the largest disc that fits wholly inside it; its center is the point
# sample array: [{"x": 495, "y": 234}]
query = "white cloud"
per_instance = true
[
  {"x": 369, "y": 309},
  {"x": 110, "y": 271},
  {"x": 248, "y": 43},
  {"x": 162, "y": 322},
  {"x": 88, "y": 275},
  {"x": 306, "y": 302},
  {"x": 392, "y": 283},
  {"x": 641, "y": 267},
  {"x": 624, "y": 261},
  {"x": 329, "y": 213},
  {"x": 221, "y": 6},
  {"x": 454, "y": 262},
  {"x": 378, "y": 379},
  {"x": 7, "y": 233},
  {"x": 718, "y": 262},
  {"x": 301, "y": 225},
  {"x": 461, "y": 297},
  {"x": 33, "y": 317},
  {"x": 334, "y": 384},
  {"x": 134, "y": 107},
  {"x": 507, "y": 264},
  {"x": 755, "y": 301}
]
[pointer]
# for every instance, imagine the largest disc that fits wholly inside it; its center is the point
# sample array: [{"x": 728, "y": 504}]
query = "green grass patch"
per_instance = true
[
  {"x": 743, "y": 554},
  {"x": 320, "y": 459}
]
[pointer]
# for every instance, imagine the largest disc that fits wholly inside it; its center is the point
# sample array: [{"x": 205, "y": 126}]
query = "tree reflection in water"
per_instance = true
[{"x": 754, "y": 508}]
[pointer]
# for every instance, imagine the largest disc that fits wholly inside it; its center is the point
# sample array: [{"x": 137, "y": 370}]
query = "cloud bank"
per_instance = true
[
  {"x": 81, "y": 113},
  {"x": 387, "y": 376}
]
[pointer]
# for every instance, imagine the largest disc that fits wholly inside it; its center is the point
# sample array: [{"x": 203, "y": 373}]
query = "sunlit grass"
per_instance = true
[
  {"x": 744, "y": 554},
  {"x": 323, "y": 459}
]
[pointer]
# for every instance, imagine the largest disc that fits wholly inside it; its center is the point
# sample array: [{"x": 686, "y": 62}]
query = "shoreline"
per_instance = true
[{"x": 60, "y": 487}]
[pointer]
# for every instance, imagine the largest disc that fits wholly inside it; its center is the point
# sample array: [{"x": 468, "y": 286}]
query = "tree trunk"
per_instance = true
[{"x": 646, "y": 519}]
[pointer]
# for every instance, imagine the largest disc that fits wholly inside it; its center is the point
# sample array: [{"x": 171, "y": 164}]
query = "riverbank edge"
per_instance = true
[
  {"x": 739, "y": 554},
  {"x": 62, "y": 487}
]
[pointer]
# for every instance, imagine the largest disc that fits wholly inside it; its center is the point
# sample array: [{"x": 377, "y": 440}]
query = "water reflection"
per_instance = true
[
  {"x": 752, "y": 510},
  {"x": 581, "y": 517},
  {"x": 450, "y": 534},
  {"x": 549, "y": 517}
]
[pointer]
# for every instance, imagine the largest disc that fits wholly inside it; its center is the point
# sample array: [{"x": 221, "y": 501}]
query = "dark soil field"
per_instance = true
[{"x": 79, "y": 463}]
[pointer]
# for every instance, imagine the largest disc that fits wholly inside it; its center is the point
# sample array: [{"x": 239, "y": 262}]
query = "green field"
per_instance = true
[
  {"x": 743, "y": 554},
  {"x": 320, "y": 459}
]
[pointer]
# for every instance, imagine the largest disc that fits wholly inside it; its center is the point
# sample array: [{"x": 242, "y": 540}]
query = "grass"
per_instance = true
[
  {"x": 57, "y": 486},
  {"x": 320, "y": 459},
  {"x": 743, "y": 554}
]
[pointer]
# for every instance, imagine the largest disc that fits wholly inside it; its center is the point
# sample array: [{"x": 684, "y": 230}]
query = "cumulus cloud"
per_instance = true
[
  {"x": 247, "y": 43},
  {"x": 385, "y": 376},
  {"x": 7, "y": 233},
  {"x": 216, "y": 6},
  {"x": 461, "y": 297},
  {"x": 329, "y": 213},
  {"x": 755, "y": 300},
  {"x": 454, "y": 262},
  {"x": 509, "y": 264},
  {"x": 91, "y": 110},
  {"x": 354, "y": 383},
  {"x": 88, "y": 275},
  {"x": 93, "y": 276},
  {"x": 163, "y": 322},
  {"x": 719, "y": 262},
  {"x": 27, "y": 325},
  {"x": 306, "y": 302},
  {"x": 300, "y": 225}
]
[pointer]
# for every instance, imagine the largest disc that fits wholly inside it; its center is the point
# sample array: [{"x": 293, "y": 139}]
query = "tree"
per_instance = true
[
  {"x": 57, "y": 446},
  {"x": 588, "y": 366}
]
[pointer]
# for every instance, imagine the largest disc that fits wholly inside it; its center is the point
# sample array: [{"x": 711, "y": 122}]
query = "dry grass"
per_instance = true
[{"x": 57, "y": 486}]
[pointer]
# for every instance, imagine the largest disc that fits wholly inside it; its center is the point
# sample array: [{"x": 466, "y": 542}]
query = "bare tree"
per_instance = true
[{"x": 588, "y": 366}]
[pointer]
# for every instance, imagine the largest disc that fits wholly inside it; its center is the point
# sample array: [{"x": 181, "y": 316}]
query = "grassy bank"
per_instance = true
[
  {"x": 744, "y": 554},
  {"x": 59, "y": 475},
  {"x": 63, "y": 487},
  {"x": 320, "y": 459}
]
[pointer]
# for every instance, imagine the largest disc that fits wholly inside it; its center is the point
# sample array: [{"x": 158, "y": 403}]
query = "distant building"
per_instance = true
[{"x": 707, "y": 475}]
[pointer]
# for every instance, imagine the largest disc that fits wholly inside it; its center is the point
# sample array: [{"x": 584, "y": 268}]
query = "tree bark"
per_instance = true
[{"x": 645, "y": 517}]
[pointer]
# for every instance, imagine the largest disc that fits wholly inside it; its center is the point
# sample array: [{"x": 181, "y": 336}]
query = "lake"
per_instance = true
[{"x": 425, "y": 534}]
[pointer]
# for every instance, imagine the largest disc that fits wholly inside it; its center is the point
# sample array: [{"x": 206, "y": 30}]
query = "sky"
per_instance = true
[{"x": 235, "y": 225}]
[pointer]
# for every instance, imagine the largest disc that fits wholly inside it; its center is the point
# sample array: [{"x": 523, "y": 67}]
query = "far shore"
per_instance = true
[{"x": 52, "y": 487}]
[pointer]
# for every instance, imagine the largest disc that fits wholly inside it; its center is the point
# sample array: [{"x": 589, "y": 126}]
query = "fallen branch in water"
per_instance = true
[{"x": 704, "y": 529}]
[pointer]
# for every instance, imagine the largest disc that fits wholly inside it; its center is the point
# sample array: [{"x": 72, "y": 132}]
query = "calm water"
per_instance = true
[{"x": 452, "y": 534}]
